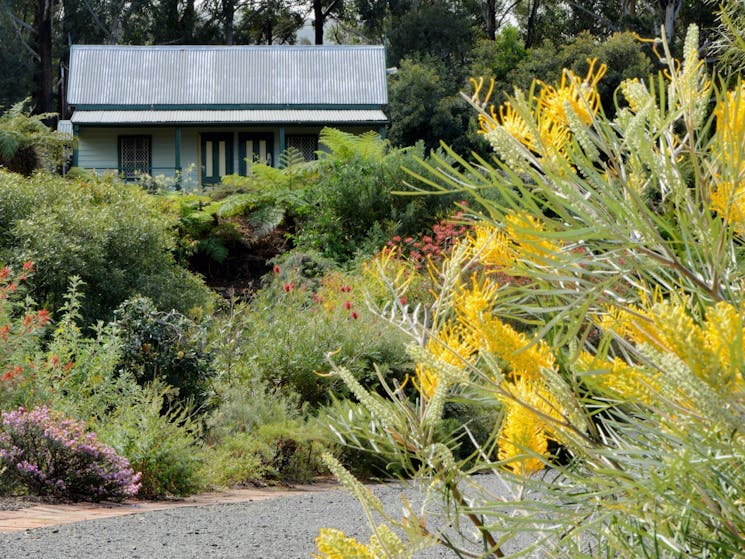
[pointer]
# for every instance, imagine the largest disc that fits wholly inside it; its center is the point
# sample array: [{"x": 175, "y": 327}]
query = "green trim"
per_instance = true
[{"x": 236, "y": 107}]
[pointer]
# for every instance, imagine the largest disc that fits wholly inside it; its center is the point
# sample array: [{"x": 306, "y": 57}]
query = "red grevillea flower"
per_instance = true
[
  {"x": 355, "y": 316},
  {"x": 347, "y": 305}
]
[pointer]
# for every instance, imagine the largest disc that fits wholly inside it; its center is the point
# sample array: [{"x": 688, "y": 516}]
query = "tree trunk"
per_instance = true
[
  {"x": 318, "y": 21},
  {"x": 229, "y": 15},
  {"x": 43, "y": 78},
  {"x": 530, "y": 27},
  {"x": 491, "y": 19},
  {"x": 671, "y": 9}
]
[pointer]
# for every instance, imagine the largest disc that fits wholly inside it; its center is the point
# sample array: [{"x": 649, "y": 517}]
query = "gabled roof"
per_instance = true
[{"x": 227, "y": 77}]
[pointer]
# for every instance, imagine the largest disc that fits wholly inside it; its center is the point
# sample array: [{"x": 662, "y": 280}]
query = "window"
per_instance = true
[
  {"x": 134, "y": 156},
  {"x": 307, "y": 145}
]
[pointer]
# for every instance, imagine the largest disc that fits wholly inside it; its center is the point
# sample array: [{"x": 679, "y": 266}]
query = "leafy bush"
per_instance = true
[
  {"x": 164, "y": 345},
  {"x": 160, "y": 439},
  {"x": 27, "y": 144},
  {"x": 288, "y": 330},
  {"x": 353, "y": 206},
  {"x": 260, "y": 434},
  {"x": 48, "y": 454},
  {"x": 625, "y": 346},
  {"x": 113, "y": 236}
]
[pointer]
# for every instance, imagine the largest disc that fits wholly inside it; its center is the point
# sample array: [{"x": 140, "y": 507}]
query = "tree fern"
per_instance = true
[{"x": 343, "y": 145}]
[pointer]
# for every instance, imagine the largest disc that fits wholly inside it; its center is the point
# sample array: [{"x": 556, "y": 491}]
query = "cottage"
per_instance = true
[{"x": 201, "y": 112}]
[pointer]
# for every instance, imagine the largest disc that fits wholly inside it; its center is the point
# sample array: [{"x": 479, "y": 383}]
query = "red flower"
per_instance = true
[
  {"x": 289, "y": 286},
  {"x": 4, "y": 272},
  {"x": 28, "y": 266},
  {"x": 4, "y": 332},
  {"x": 13, "y": 373},
  {"x": 347, "y": 305},
  {"x": 43, "y": 317},
  {"x": 345, "y": 288},
  {"x": 404, "y": 300},
  {"x": 276, "y": 269},
  {"x": 355, "y": 316}
]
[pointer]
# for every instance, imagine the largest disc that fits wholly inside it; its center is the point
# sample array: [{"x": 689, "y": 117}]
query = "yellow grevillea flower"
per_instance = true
[
  {"x": 513, "y": 123},
  {"x": 335, "y": 544},
  {"x": 728, "y": 196},
  {"x": 724, "y": 332},
  {"x": 526, "y": 428},
  {"x": 581, "y": 96},
  {"x": 713, "y": 349},
  {"x": 476, "y": 301},
  {"x": 617, "y": 377},
  {"x": 634, "y": 324},
  {"x": 523, "y": 357},
  {"x": 452, "y": 345},
  {"x": 525, "y": 231},
  {"x": 384, "y": 544},
  {"x": 492, "y": 246}
]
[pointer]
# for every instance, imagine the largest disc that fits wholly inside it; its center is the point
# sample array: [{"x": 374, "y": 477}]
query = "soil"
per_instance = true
[
  {"x": 26, "y": 501},
  {"x": 248, "y": 260}
]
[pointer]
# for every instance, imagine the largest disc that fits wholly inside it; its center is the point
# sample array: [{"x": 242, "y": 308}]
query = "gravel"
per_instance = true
[{"x": 280, "y": 528}]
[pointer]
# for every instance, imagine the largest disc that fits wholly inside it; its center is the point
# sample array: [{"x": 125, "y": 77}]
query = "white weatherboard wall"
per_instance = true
[{"x": 98, "y": 148}]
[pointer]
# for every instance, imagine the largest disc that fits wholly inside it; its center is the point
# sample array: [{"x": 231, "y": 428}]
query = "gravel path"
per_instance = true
[{"x": 280, "y": 528}]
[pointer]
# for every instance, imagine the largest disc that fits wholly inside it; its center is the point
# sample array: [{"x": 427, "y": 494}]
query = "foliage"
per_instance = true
[
  {"x": 620, "y": 336},
  {"x": 622, "y": 53},
  {"x": 164, "y": 446},
  {"x": 257, "y": 432},
  {"x": 354, "y": 206},
  {"x": 164, "y": 345},
  {"x": 48, "y": 454},
  {"x": 82, "y": 377},
  {"x": 288, "y": 328},
  {"x": 728, "y": 45},
  {"x": 424, "y": 105},
  {"x": 113, "y": 236},
  {"x": 27, "y": 144},
  {"x": 21, "y": 328}
]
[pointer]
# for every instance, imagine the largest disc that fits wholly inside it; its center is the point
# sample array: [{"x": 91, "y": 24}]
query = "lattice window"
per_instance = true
[
  {"x": 134, "y": 156},
  {"x": 305, "y": 144}
]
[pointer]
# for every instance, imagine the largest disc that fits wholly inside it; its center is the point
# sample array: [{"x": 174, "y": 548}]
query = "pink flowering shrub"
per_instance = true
[
  {"x": 48, "y": 454},
  {"x": 432, "y": 248}
]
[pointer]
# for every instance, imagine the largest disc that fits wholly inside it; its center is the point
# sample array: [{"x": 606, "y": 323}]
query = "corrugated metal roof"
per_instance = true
[
  {"x": 261, "y": 116},
  {"x": 64, "y": 126},
  {"x": 227, "y": 75}
]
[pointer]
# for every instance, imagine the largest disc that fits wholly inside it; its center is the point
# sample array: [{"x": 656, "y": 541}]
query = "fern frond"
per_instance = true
[
  {"x": 236, "y": 205},
  {"x": 265, "y": 220}
]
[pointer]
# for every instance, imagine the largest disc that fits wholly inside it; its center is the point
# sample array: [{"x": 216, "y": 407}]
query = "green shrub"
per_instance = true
[
  {"x": 164, "y": 447},
  {"x": 353, "y": 206},
  {"x": 164, "y": 345},
  {"x": 288, "y": 331},
  {"x": 112, "y": 235},
  {"x": 256, "y": 434}
]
